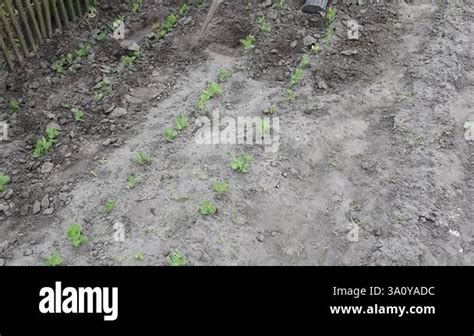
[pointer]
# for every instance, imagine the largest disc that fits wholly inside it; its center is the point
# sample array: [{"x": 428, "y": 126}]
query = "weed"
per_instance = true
[
  {"x": 139, "y": 256},
  {"x": 78, "y": 114},
  {"x": 224, "y": 75},
  {"x": 170, "y": 22},
  {"x": 248, "y": 42},
  {"x": 176, "y": 258},
  {"x": 127, "y": 61},
  {"x": 101, "y": 36},
  {"x": 98, "y": 96},
  {"x": 290, "y": 95},
  {"x": 170, "y": 134},
  {"x": 241, "y": 163},
  {"x": 54, "y": 260},
  {"x": 183, "y": 10},
  {"x": 331, "y": 15},
  {"x": 316, "y": 48},
  {"x": 109, "y": 207},
  {"x": 142, "y": 159},
  {"x": 76, "y": 236},
  {"x": 221, "y": 187},
  {"x": 281, "y": 4},
  {"x": 136, "y": 5},
  {"x": 14, "y": 105},
  {"x": 213, "y": 89},
  {"x": 58, "y": 67},
  {"x": 132, "y": 181},
  {"x": 52, "y": 133},
  {"x": 305, "y": 61},
  {"x": 4, "y": 180},
  {"x": 264, "y": 25},
  {"x": 297, "y": 77},
  {"x": 43, "y": 146},
  {"x": 105, "y": 86},
  {"x": 83, "y": 50},
  {"x": 207, "y": 208},
  {"x": 181, "y": 123}
]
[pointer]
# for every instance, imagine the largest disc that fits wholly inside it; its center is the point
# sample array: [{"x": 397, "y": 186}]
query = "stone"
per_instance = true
[
  {"x": 36, "y": 207},
  {"x": 118, "y": 112},
  {"x": 309, "y": 40}
]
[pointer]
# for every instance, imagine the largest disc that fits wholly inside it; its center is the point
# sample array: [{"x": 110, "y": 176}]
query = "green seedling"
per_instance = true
[
  {"x": 54, "y": 260},
  {"x": 132, "y": 181},
  {"x": 181, "y": 123},
  {"x": 43, "y": 146},
  {"x": 241, "y": 163},
  {"x": 305, "y": 61},
  {"x": 109, "y": 207},
  {"x": 170, "y": 134},
  {"x": 101, "y": 36},
  {"x": 264, "y": 25},
  {"x": 83, "y": 50},
  {"x": 170, "y": 22},
  {"x": 221, "y": 187},
  {"x": 136, "y": 5},
  {"x": 281, "y": 4},
  {"x": 206, "y": 208},
  {"x": 176, "y": 258},
  {"x": 297, "y": 77},
  {"x": 69, "y": 59},
  {"x": 142, "y": 159},
  {"x": 183, "y": 10},
  {"x": 52, "y": 133},
  {"x": 139, "y": 256},
  {"x": 331, "y": 15},
  {"x": 58, "y": 67},
  {"x": 248, "y": 42},
  {"x": 78, "y": 114},
  {"x": 14, "y": 105},
  {"x": 290, "y": 95},
  {"x": 224, "y": 75},
  {"x": 76, "y": 236},
  {"x": 127, "y": 61},
  {"x": 4, "y": 180},
  {"x": 213, "y": 89},
  {"x": 105, "y": 86},
  {"x": 98, "y": 96}
]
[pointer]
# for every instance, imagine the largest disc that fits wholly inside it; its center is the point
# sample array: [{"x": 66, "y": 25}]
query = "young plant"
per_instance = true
[
  {"x": 170, "y": 134},
  {"x": 297, "y": 77},
  {"x": 183, "y": 10},
  {"x": 43, "y": 146},
  {"x": 136, "y": 5},
  {"x": 181, "y": 123},
  {"x": 76, "y": 236},
  {"x": 305, "y": 61},
  {"x": 142, "y": 159},
  {"x": 281, "y": 4},
  {"x": 241, "y": 163},
  {"x": 14, "y": 105},
  {"x": 127, "y": 61},
  {"x": 331, "y": 15},
  {"x": 170, "y": 22},
  {"x": 109, "y": 207},
  {"x": 58, "y": 67},
  {"x": 139, "y": 256},
  {"x": 213, "y": 89},
  {"x": 176, "y": 258},
  {"x": 221, "y": 187},
  {"x": 248, "y": 42},
  {"x": 4, "y": 180},
  {"x": 264, "y": 25},
  {"x": 83, "y": 50},
  {"x": 132, "y": 181},
  {"x": 54, "y": 260},
  {"x": 206, "y": 208},
  {"x": 78, "y": 114},
  {"x": 224, "y": 75},
  {"x": 101, "y": 36}
]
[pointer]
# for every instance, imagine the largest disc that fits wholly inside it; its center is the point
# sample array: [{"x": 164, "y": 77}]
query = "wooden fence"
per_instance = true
[{"x": 26, "y": 24}]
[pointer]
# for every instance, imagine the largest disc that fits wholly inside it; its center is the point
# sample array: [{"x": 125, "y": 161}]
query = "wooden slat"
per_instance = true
[
  {"x": 57, "y": 19},
  {"x": 6, "y": 54},
  {"x": 36, "y": 28},
  {"x": 47, "y": 11},
  {"x": 11, "y": 38},
  {"x": 64, "y": 12},
  {"x": 79, "y": 8},
  {"x": 71, "y": 9},
  {"x": 40, "y": 17},
  {"x": 26, "y": 24},
  {"x": 19, "y": 32}
]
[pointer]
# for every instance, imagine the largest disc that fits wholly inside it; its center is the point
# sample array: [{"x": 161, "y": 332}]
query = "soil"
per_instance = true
[{"x": 373, "y": 168}]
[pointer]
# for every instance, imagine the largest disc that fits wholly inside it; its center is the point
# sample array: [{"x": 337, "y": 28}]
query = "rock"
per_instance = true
[
  {"x": 48, "y": 211},
  {"x": 27, "y": 252},
  {"x": 7, "y": 194},
  {"x": 309, "y": 40},
  {"x": 469, "y": 127},
  {"x": 47, "y": 167},
  {"x": 24, "y": 210},
  {"x": 261, "y": 238},
  {"x": 353, "y": 29},
  {"x": 293, "y": 44},
  {"x": 349, "y": 52},
  {"x": 4, "y": 245},
  {"x": 2, "y": 262},
  {"x": 36, "y": 207},
  {"x": 322, "y": 85},
  {"x": 4, "y": 207},
  {"x": 62, "y": 197},
  {"x": 45, "y": 202},
  {"x": 118, "y": 112}
]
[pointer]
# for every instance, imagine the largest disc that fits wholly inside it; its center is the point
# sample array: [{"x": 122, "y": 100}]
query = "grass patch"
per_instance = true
[{"x": 76, "y": 235}]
